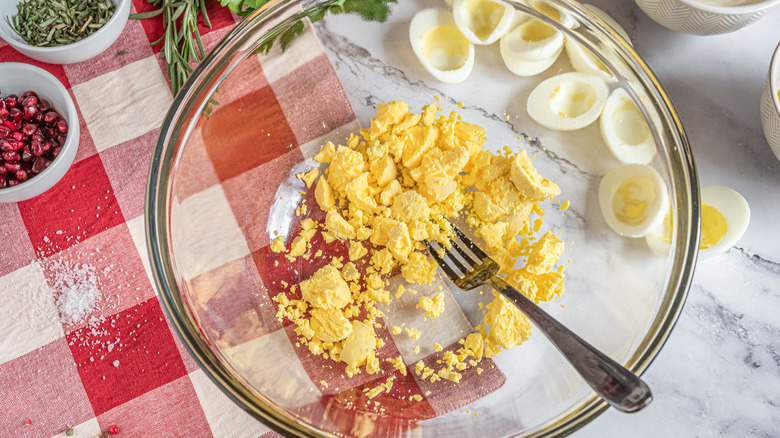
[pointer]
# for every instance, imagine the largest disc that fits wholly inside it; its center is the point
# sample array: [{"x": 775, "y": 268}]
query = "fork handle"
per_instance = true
[{"x": 614, "y": 383}]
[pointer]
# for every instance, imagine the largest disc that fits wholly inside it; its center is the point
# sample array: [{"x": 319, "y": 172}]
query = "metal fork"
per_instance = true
[{"x": 612, "y": 382}]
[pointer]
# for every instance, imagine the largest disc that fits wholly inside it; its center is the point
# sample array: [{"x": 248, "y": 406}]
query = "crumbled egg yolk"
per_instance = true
[{"x": 394, "y": 186}]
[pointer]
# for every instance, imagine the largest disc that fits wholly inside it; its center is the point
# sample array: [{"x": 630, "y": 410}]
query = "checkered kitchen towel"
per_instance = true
[{"x": 125, "y": 366}]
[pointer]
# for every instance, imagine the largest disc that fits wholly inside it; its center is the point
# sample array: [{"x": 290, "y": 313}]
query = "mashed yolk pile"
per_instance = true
[{"x": 387, "y": 191}]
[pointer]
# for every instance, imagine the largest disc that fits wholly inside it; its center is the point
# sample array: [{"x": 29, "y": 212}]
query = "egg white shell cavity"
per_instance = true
[
  {"x": 656, "y": 206},
  {"x": 483, "y": 22},
  {"x": 553, "y": 11},
  {"x": 568, "y": 101},
  {"x": 625, "y": 130},
  {"x": 583, "y": 61},
  {"x": 533, "y": 40},
  {"x": 448, "y": 57},
  {"x": 735, "y": 211},
  {"x": 523, "y": 67},
  {"x": 609, "y": 20}
]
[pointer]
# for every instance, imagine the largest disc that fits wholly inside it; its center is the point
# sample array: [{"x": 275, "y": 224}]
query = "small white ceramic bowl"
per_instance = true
[
  {"x": 770, "y": 104},
  {"x": 79, "y": 51},
  {"x": 697, "y": 18},
  {"x": 15, "y": 78}
]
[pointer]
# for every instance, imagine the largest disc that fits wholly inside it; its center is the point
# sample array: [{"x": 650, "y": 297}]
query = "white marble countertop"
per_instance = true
[{"x": 719, "y": 373}]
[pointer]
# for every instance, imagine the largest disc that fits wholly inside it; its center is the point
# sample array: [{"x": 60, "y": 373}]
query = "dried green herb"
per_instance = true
[{"x": 48, "y": 23}]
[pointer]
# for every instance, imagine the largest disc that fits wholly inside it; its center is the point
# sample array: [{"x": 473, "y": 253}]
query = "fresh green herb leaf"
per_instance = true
[
  {"x": 371, "y": 10},
  {"x": 289, "y": 35}
]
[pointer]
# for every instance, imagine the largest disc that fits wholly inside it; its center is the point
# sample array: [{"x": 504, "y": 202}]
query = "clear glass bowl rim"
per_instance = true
[{"x": 193, "y": 97}]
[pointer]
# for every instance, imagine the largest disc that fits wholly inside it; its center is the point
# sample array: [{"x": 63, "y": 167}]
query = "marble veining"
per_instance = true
[{"x": 719, "y": 373}]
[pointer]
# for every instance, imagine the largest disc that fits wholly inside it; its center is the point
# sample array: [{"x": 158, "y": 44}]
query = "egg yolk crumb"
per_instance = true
[{"x": 384, "y": 193}]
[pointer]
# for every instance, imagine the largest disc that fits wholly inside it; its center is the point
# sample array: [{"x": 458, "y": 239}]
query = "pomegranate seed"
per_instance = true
[
  {"x": 29, "y": 101},
  {"x": 16, "y": 115},
  {"x": 36, "y": 149},
  {"x": 27, "y": 156},
  {"x": 10, "y": 156},
  {"x": 51, "y": 117},
  {"x": 30, "y": 112},
  {"x": 114, "y": 429},
  {"x": 29, "y": 129},
  {"x": 31, "y": 137},
  {"x": 39, "y": 165},
  {"x": 62, "y": 126}
]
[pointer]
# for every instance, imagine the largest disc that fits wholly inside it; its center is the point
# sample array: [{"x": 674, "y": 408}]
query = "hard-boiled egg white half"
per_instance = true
[
  {"x": 483, "y": 22},
  {"x": 633, "y": 199},
  {"x": 531, "y": 47},
  {"x": 440, "y": 46},
  {"x": 553, "y": 11},
  {"x": 625, "y": 130},
  {"x": 568, "y": 101},
  {"x": 583, "y": 60},
  {"x": 725, "y": 215}
]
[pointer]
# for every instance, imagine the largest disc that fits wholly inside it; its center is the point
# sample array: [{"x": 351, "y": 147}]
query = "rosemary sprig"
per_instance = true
[
  {"x": 182, "y": 44},
  {"x": 181, "y": 40}
]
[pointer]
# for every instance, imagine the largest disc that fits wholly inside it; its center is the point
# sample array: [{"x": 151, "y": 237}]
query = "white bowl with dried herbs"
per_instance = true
[{"x": 62, "y": 31}]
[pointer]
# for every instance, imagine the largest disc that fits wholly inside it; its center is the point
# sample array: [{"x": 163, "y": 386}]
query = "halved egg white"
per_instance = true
[
  {"x": 633, "y": 199},
  {"x": 531, "y": 47},
  {"x": 440, "y": 46},
  {"x": 583, "y": 60},
  {"x": 625, "y": 130},
  {"x": 725, "y": 215},
  {"x": 568, "y": 101},
  {"x": 553, "y": 11},
  {"x": 483, "y": 22}
]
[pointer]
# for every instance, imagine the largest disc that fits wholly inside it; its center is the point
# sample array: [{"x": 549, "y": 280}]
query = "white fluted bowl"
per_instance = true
[{"x": 694, "y": 17}]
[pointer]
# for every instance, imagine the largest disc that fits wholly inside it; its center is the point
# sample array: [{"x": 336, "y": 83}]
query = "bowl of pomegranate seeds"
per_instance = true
[{"x": 39, "y": 131}]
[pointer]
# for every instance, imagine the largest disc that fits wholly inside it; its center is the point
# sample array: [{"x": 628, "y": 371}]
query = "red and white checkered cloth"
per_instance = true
[{"x": 61, "y": 376}]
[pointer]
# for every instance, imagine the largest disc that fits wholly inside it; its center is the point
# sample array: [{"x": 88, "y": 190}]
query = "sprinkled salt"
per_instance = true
[
  {"x": 76, "y": 291},
  {"x": 116, "y": 363}
]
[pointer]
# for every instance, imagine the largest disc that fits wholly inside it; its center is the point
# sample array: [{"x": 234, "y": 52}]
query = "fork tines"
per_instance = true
[{"x": 465, "y": 263}]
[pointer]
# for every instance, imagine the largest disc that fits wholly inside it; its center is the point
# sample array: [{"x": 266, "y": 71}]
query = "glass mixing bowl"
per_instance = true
[{"x": 222, "y": 184}]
